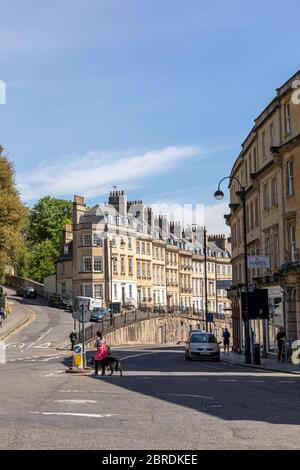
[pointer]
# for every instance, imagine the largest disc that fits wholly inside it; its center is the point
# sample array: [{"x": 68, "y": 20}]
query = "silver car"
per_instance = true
[{"x": 202, "y": 345}]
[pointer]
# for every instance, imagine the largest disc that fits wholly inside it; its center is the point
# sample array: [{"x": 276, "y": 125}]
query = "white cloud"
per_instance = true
[{"x": 94, "y": 173}]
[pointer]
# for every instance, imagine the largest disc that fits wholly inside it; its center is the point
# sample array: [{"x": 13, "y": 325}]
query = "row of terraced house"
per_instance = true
[{"x": 120, "y": 252}]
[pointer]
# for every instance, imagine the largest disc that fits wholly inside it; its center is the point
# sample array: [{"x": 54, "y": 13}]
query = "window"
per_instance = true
[
  {"x": 263, "y": 145},
  {"x": 88, "y": 290},
  {"x": 115, "y": 291},
  {"x": 292, "y": 241},
  {"x": 87, "y": 264},
  {"x": 223, "y": 270},
  {"x": 129, "y": 243},
  {"x": 63, "y": 288},
  {"x": 144, "y": 269},
  {"x": 272, "y": 134},
  {"x": 274, "y": 196},
  {"x": 256, "y": 212},
  {"x": 287, "y": 118},
  {"x": 98, "y": 291},
  {"x": 115, "y": 264},
  {"x": 290, "y": 178},
  {"x": 122, "y": 265},
  {"x": 143, "y": 248},
  {"x": 251, "y": 216},
  {"x": 66, "y": 249},
  {"x": 138, "y": 247},
  {"x": 254, "y": 161},
  {"x": 138, "y": 269},
  {"x": 266, "y": 197},
  {"x": 62, "y": 268},
  {"x": 276, "y": 250},
  {"x": 130, "y": 266},
  {"x": 130, "y": 291},
  {"x": 98, "y": 264},
  {"x": 218, "y": 269},
  {"x": 87, "y": 239},
  {"x": 228, "y": 269},
  {"x": 96, "y": 239},
  {"x": 149, "y": 270},
  {"x": 148, "y": 249}
]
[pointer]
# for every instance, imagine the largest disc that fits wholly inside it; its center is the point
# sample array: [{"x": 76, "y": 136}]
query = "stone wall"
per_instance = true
[
  {"x": 17, "y": 281},
  {"x": 171, "y": 329}
]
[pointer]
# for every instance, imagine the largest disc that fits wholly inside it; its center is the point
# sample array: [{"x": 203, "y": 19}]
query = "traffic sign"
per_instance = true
[{"x": 83, "y": 315}]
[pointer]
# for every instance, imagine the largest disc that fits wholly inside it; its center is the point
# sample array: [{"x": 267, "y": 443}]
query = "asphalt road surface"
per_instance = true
[{"x": 161, "y": 402}]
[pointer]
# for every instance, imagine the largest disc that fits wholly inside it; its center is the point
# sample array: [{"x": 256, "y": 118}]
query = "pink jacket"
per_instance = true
[{"x": 101, "y": 352}]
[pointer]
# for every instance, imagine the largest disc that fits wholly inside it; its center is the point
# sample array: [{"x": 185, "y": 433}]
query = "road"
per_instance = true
[{"x": 161, "y": 402}]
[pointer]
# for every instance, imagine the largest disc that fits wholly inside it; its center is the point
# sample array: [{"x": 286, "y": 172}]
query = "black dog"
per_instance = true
[{"x": 113, "y": 364}]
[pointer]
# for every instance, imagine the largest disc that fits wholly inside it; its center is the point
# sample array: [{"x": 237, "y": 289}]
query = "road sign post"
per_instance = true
[{"x": 78, "y": 356}]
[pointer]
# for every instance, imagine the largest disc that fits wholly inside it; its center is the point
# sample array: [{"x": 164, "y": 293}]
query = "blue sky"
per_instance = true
[{"x": 154, "y": 96}]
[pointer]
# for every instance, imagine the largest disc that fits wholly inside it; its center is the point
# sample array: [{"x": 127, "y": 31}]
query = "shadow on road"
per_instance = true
[{"x": 224, "y": 391}]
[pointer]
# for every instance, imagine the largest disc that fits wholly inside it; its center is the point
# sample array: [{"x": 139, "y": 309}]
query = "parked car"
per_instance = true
[
  {"x": 58, "y": 301},
  {"x": 202, "y": 345},
  {"x": 98, "y": 314},
  {"x": 26, "y": 292}
]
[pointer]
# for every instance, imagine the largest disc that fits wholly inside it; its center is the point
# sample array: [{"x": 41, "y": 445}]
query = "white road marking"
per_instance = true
[
  {"x": 81, "y": 415},
  {"x": 43, "y": 346},
  {"x": 50, "y": 358},
  {"x": 39, "y": 339},
  {"x": 75, "y": 401},
  {"x": 186, "y": 395},
  {"x": 54, "y": 373},
  {"x": 135, "y": 355},
  {"x": 14, "y": 346}
]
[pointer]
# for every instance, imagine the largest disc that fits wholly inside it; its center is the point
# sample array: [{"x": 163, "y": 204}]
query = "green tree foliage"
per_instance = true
[
  {"x": 12, "y": 216},
  {"x": 42, "y": 258},
  {"x": 46, "y": 221}
]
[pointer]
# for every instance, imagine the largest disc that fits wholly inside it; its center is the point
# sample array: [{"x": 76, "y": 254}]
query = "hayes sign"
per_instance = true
[{"x": 258, "y": 262}]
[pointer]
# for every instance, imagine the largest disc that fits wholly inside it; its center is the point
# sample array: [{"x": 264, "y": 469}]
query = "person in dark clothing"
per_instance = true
[
  {"x": 73, "y": 339},
  {"x": 226, "y": 340},
  {"x": 280, "y": 338}
]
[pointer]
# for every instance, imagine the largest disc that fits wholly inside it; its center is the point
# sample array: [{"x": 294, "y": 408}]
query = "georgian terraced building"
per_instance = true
[
  {"x": 119, "y": 252},
  {"x": 269, "y": 167}
]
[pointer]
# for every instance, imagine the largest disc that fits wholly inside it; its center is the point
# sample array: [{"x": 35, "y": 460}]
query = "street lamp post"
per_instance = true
[{"x": 242, "y": 194}]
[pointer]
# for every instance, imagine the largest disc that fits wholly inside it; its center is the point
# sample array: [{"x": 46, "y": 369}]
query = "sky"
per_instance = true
[{"x": 153, "y": 96}]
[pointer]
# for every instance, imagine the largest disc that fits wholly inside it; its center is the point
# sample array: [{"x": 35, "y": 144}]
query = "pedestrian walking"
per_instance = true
[
  {"x": 2, "y": 316},
  {"x": 73, "y": 339},
  {"x": 226, "y": 340},
  {"x": 280, "y": 338}
]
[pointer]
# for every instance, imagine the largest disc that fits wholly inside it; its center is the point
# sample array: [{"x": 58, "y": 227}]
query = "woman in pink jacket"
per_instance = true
[{"x": 101, "y": 353}]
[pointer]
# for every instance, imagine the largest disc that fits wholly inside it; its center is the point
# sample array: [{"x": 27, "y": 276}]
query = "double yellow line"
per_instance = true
[{"x": 30, "y": 318}]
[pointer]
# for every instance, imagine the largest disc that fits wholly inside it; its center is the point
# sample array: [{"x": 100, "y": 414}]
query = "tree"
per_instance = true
[
  {"x": 12, "y": 216},
  {"x": 42, "y": 259},
  {"x": 47, "y": 219}
]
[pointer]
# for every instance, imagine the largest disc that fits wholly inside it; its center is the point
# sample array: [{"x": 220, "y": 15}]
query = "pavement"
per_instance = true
[
  {"x": 268, "y": 363},
  {"x": 19, "y": 315}
]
